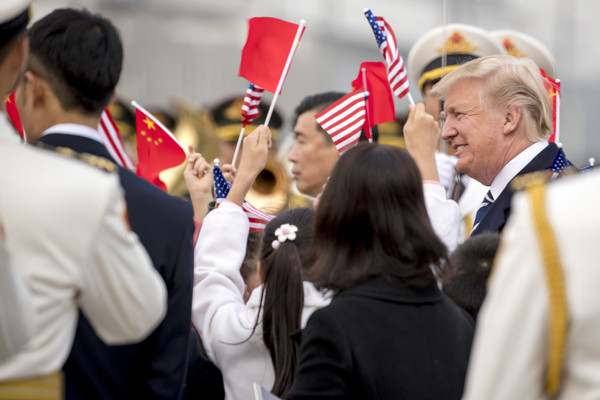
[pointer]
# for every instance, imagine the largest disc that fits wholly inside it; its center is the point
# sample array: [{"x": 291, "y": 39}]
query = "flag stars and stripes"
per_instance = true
[
  {"x": 251, "y": 101},
  {"x": 386, "y": 40},
  {"x": 344, "y": 120},
  {"x": 258, "y": 219}
]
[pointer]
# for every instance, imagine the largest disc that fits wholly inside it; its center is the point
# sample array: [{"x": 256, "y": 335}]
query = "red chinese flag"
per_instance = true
[
  {"x": 553, "y": 88},
  {"x": 267, "y": 48},
  {"x": 380, "y": 103},
  {"x": 13, "y": 113},
  {"x": 157, "y": 148}
]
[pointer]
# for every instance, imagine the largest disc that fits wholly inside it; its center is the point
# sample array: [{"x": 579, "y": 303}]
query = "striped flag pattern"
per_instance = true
[
  {"x": 258, "y": 219},
  {"x": 109, "y": 133},
  {"x": 251, "y": 101},
  {"x": 344, "y": 119},
  {"x": 386, "y": 40}
]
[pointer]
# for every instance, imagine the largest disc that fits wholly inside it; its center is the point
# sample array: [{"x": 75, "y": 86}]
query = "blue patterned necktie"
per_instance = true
[{"x": 483, "y": 208}]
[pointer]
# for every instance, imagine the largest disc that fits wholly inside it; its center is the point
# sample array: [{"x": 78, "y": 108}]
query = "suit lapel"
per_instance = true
[{"x": 496, "y": 217}]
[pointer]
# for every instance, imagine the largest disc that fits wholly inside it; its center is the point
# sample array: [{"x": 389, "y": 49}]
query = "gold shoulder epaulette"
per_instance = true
[
  {"x": 98, "y": 162},
  {"x": 525, "y": 181}
]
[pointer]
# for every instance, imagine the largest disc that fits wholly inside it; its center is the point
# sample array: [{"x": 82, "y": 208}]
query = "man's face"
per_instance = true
[
  {"x": 313, "y": 155},
  {"x": 475, "y": 131}
]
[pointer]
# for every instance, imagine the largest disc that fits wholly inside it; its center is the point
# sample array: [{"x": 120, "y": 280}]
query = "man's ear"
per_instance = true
[
  {"x": 37, "y": 88},
  {"x": 512, "y": 118}
]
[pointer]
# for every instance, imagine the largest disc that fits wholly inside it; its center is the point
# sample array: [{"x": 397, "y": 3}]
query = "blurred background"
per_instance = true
[{"x": 183, "y": 55}]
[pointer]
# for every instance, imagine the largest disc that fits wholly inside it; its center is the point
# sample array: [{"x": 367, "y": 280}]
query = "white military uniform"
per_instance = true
[
  {"x": 65, "y": 230},
  {"x": 510, "y": 352},
  {"x": 16, "y": 325}
]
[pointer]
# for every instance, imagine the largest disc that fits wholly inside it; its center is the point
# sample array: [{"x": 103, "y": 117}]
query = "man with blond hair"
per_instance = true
[{"x": 498, "y": 118}]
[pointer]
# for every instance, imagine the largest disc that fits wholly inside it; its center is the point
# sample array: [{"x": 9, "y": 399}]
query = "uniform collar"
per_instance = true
[{"x": 74, "y": 130}]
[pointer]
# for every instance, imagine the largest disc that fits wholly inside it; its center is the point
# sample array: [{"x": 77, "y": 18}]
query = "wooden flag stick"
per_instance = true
[{"x": 286, "y": 68}]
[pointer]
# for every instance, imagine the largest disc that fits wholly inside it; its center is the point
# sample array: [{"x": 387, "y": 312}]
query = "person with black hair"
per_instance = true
[
  {"x": 250, "y": 342},
  {"x": 465, "y": 276},
  {"x": 64, "y": 222},
  {"x": 389, "y": 333},
  {"x": 74, "y": 66}
]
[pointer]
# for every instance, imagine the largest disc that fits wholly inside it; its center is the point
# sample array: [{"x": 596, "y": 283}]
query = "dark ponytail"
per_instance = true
[{"x": 283, "y": 292}]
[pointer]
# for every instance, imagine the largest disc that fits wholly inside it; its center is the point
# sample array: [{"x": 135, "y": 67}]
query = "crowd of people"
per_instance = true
[{"x": 383, "y": 288}]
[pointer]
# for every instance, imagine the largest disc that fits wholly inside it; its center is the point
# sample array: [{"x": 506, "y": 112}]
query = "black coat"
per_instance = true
[
  {"x": 496, "y": 217},
  {"x": 385, "y": 340},
  {"x": 155, "y": 368}
]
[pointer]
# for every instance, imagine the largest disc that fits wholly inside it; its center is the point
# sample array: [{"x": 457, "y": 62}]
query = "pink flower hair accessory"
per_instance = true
[{"x": 283, "y": 233}]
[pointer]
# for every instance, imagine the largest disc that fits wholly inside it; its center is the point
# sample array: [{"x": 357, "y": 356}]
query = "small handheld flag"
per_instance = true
[
  {"x": 111, "y": 138},
  {"x": 270, "y": 44},
  {"x": 251, "y": 101},
  {"x": 553, "y": 88},
  {"x": 157, "y": 148},
  {"x": 258, "y": 219},
  {"x": 380, "y": 103},
  {"x": 344, "y": 120},
  {"x": 249, "y": 113},
  {"x": 386, "y": 40}
]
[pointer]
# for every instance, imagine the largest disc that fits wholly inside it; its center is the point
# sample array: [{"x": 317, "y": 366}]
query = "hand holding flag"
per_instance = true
[
  {"x": 386, "y": 40},
  {"x": 258, "y": 219},
  {"x": 344, "y": 120},
  {"x": 157, "y": 148}
]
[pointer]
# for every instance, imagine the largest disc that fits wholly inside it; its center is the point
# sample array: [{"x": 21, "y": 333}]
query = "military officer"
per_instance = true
[{"x": 66, "y": 230}]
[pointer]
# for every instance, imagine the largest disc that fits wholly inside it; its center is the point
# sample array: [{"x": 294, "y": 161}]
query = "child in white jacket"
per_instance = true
[{"x": 246, "y": 340}]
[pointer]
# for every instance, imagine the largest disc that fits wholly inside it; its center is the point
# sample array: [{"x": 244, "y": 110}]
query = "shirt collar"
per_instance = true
[
  {"x": 75, "y": 130},
  {"x": 512, "y": 168}
]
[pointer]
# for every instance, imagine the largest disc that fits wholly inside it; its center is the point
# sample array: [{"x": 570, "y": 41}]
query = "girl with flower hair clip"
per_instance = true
[{"x": 251, "y": 342}]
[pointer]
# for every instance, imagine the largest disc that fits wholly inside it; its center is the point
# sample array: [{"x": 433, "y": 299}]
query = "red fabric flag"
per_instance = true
[
  {"x": 344, "y": 120},
  {"x": 13, "y": 113},
  {"x": 109, "y": 133},
  {"x": 157, "y": 148},
  {"x": 251, "y": 101},
  {"x": 380, "y": 103},
  {"x": 553, "y": 88},
  {"x": 269, "y": 43},
  {"x": 384, "y": 35}
]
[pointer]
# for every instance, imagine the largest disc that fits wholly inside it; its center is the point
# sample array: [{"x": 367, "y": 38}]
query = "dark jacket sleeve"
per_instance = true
[{"x": 167, "y": 370}]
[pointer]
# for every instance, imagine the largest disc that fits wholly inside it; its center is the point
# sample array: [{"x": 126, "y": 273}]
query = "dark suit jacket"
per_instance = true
[
  {"x": 385, "y": 340},
  {"x": 495, "y": 219},
  {"x": 155, "y": 368}
]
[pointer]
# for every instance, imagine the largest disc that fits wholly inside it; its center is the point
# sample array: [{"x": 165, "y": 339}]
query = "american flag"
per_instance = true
[
  {"x": 344, "y": 119},
  {"x": 386, "y": 40},
  {"x": 109, "y": 133},
  {"x": 251, "y": 102},
  {"x": 258, "y": 219}
]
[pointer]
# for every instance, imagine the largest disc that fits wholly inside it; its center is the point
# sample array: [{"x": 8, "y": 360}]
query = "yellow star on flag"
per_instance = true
[{"x": 149, "y": 123}]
